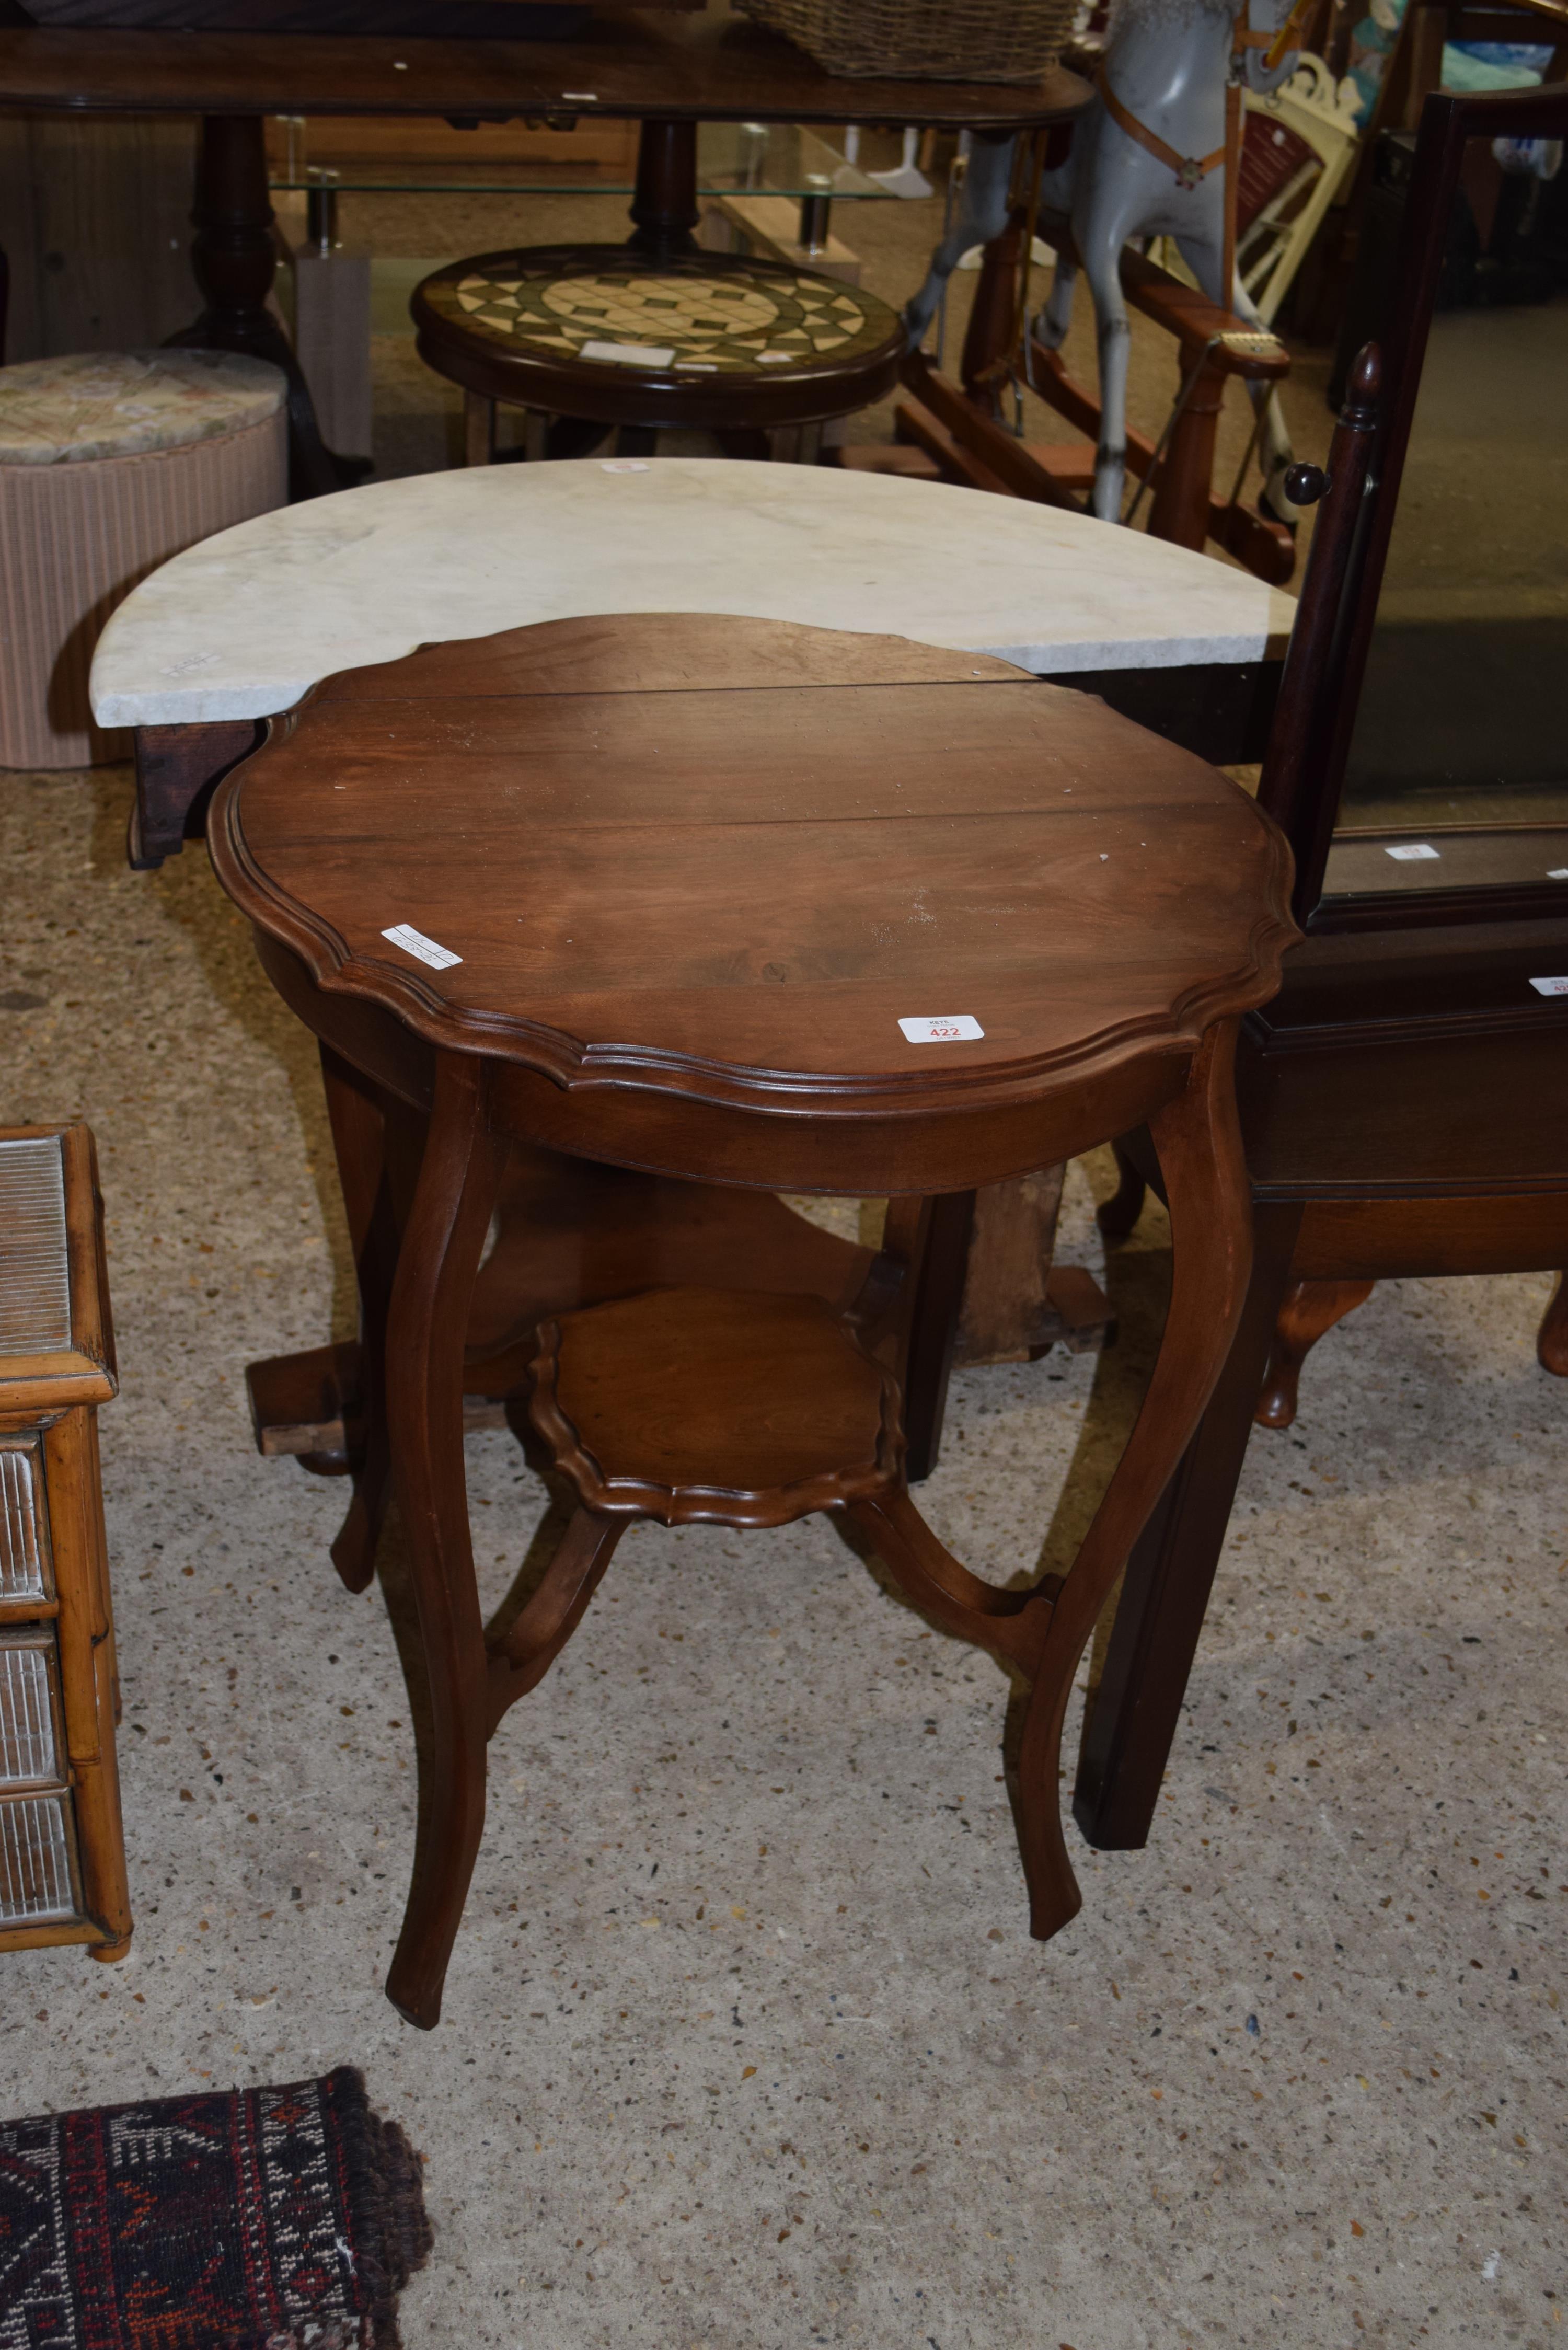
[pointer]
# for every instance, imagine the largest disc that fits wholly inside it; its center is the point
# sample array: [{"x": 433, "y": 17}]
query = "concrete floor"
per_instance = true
[
  {"x": 797, "y": 2074},
  {"x": 761, "y": 2053}
]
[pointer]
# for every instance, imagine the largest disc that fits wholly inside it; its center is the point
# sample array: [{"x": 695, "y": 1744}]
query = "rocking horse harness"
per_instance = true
[{"x": 1190, "y": 170}]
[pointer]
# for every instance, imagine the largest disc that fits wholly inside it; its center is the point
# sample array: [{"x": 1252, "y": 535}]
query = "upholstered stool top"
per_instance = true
[{"x": 127, "y": 403}]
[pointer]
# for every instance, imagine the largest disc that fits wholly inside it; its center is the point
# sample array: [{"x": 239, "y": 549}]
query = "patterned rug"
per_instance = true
[{"x": 256, "y": 2220}]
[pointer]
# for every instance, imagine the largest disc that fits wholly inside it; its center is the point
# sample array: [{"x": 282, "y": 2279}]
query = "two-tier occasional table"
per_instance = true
[
  {"x": 749, "y": 904},
  {"x": 239, "y": 629}
]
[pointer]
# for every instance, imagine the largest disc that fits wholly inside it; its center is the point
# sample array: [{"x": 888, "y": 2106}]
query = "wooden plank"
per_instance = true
[
  {"x": 982, "y": 436},
  {"x": 953, "y": 460},
  {"x": 98, "y": 230},
  {"x": 598, "y": 149},
  {"x": 708, "y": 66}
]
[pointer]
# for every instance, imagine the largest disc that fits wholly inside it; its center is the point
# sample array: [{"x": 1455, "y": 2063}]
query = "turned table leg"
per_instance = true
[
  {"x": 441, "y": 1244},
  {"x": 233, "y": 257},
  {"x": 664, "y": 207}
]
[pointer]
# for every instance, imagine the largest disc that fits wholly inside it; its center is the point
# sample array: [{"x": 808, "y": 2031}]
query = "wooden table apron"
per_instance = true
[{"x": 461, "y": 1082}]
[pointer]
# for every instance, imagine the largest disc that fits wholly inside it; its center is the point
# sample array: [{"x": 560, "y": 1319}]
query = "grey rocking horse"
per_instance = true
[{"x": 1148, "y": 159}]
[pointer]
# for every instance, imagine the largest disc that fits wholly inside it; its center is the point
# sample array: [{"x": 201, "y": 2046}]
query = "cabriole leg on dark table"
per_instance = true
[
  {"x": 1116, "y": 1216},
  {"x": 1199, "y": 1141},
  {"x": 940, "y": 1261},
  {"x": 524, "y": 1647},
  {"x": 1552, "y": 1339},
  {"x": 1135, "y": 1711},
  {"x": 233, "y": 257},
  {"x": 379, "y": 1142},
  {"x": 441, "y": 1244},
  {"x": 1308, "y": 1312}
]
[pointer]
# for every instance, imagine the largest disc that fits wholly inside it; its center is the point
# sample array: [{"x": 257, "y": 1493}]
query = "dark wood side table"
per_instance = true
[
  {"x": 695, "y": 342},
  {"x": 669, "y": 69},
  {"x": 791, "y": 909}
]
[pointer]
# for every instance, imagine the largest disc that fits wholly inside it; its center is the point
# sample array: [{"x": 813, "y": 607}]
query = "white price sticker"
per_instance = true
[
  {"x": 1407, "y": 851},
  {"x": 423, "y": 950},
  {"x": 626, "y": 354},
  {"x": 1550, "y": 986},
  {"x": 626, "y": 465},
  {"x": 955, "y": 1028}
]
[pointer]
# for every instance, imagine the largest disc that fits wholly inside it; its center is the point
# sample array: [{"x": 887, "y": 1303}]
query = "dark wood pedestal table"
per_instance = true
[{"x": 793, "y": 911}]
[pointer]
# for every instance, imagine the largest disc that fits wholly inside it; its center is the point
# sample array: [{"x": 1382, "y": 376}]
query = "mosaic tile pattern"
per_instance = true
[{"x": 729, "y": 323}]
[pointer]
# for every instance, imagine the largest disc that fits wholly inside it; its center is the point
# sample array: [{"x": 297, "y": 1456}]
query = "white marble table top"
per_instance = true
[{"x": 242, "y": 625}]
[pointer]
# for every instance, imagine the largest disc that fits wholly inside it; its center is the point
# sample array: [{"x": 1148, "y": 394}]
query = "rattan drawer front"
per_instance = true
[
  {"x": 35, "y": 1271},
  {"x": 38, "y": 1861},
  {"x": 32, "y": 1750},
  {"x": 25, "y": 1564}
]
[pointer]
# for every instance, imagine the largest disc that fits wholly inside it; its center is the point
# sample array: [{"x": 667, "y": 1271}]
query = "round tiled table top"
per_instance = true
[
  {"x": 97, "y": 404},
  {"x": 729, "y": 320}
]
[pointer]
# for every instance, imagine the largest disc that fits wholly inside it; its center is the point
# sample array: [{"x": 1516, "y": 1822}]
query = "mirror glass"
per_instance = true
[{"x": 1457, "y": 774}]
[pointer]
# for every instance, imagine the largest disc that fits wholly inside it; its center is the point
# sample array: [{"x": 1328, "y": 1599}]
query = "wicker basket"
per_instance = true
[{"x": 924, "y": 40}]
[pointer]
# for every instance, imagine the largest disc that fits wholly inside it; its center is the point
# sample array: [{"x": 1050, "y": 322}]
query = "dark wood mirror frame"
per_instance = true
[
  {"x": 1305, "y": 775},
  {"x": 1402, "y": 1104}
]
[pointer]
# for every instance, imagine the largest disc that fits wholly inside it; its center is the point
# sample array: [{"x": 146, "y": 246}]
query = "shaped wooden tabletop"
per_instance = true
[{"x": 746, "y": 860}]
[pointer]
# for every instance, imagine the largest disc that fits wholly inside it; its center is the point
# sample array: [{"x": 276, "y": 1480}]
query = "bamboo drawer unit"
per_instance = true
[{"x": 62, "y": 1854}]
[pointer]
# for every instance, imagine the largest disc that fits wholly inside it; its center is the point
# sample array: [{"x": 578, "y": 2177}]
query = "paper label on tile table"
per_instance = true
[{"x": 626, "y": 354}]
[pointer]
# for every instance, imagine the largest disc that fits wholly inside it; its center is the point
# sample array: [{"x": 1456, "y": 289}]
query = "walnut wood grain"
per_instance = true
[
  {"x": 654, "y": 912},
  {"x": 689, "y": 1405},
  {"x": 696, "y": 871}
]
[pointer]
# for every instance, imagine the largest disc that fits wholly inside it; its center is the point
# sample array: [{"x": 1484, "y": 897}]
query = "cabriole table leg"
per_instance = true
[
  {"x": 1198, "y": 1140},
  {"x": 439, "y": 1256}
]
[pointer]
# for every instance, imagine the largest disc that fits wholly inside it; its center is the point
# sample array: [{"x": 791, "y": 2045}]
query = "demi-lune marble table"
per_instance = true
[{"x": 240, "y": 628}]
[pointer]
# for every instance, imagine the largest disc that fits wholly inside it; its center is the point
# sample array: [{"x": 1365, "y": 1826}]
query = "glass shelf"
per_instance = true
[{"x": 733, "y": 158}]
